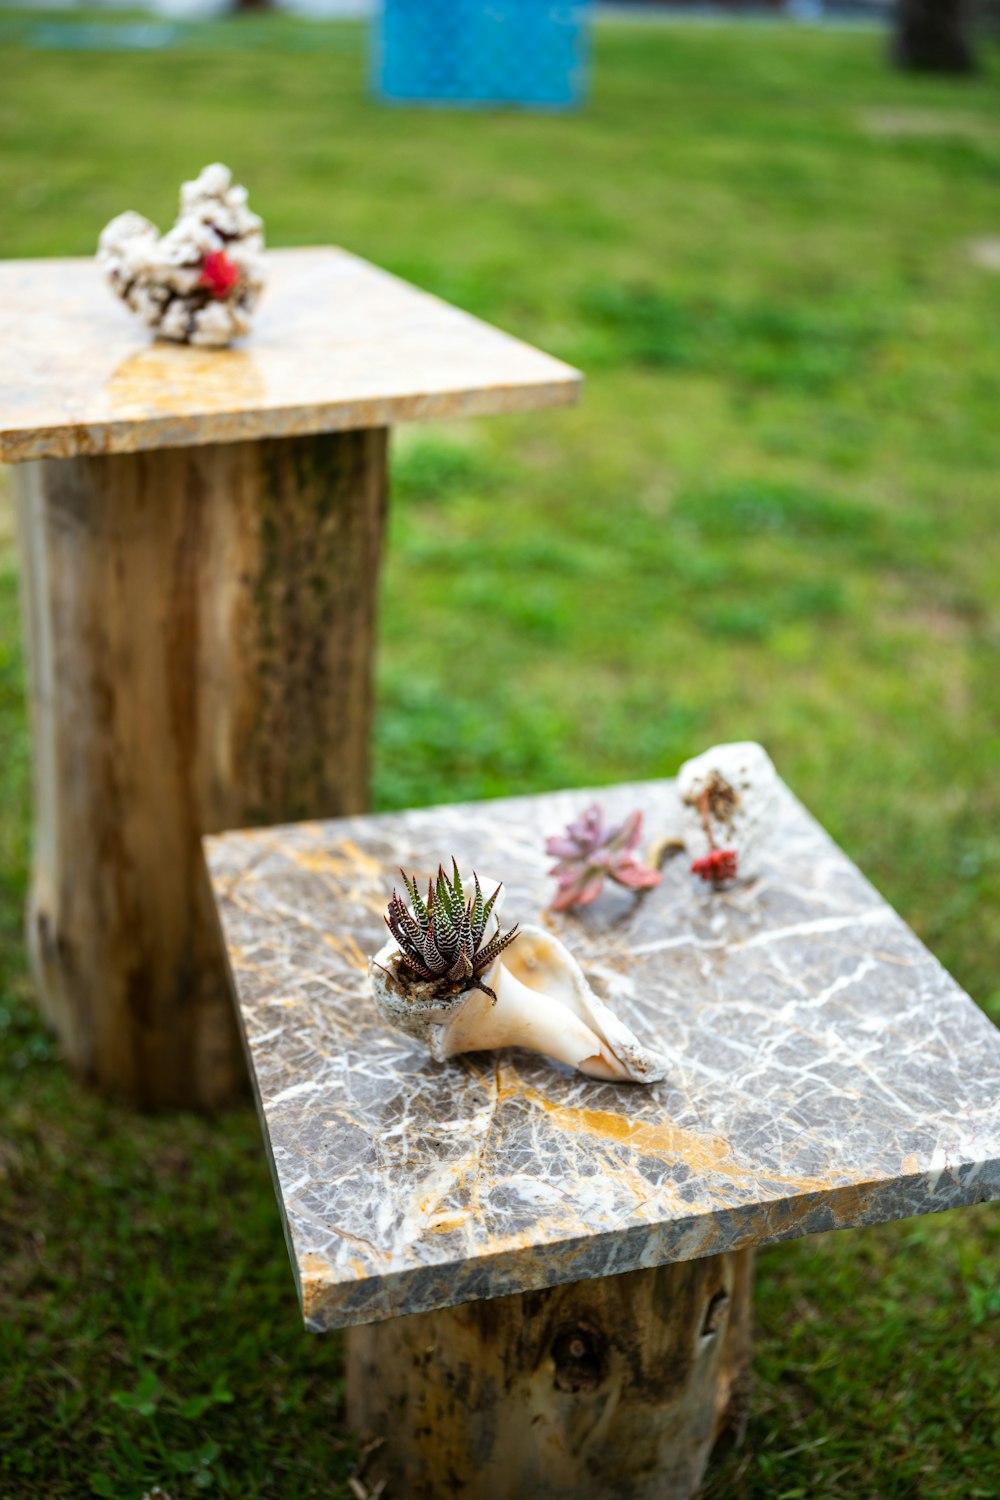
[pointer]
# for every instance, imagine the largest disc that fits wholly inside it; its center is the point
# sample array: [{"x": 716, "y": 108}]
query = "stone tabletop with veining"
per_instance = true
[
  {"x": 337, "y": 343},
  {"x": 826, "y": 1072}
]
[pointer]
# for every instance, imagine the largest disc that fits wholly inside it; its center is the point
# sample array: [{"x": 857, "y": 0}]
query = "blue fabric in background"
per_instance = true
[{"x": 524, "y": 52}]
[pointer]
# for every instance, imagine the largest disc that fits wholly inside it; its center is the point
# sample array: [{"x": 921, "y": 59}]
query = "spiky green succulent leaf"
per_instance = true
[
  {"x": 419, "y": 905},
  {"x": 447, "y": 923},
  {"x": 495, "y": 947},
  {"x": 442, "y": 938},
  {"x": 445, "y": 898},
  {"x": 478, "y": 915}
]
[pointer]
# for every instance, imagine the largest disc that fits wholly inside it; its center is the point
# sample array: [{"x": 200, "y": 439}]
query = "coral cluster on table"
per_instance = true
[{"x": 198, "y": 283}]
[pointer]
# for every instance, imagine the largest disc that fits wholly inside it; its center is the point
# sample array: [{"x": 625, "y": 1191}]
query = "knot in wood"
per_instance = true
[
  {"x": 579, "y": 1354},
  {"x": 715, "y": 1314}
]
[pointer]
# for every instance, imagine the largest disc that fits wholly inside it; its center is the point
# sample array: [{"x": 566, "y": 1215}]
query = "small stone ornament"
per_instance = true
[
  {"x": 451, "y": 978},
  {"x": 729, "y": 804},
  {"x": 198, "y": 283}
]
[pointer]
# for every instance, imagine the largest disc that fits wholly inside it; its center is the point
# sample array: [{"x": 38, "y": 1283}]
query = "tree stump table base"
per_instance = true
[
  {"x": 619, "y": 1388},
  {"x": 199, "y": 628},
  {"x": 545, "y": 1277}
]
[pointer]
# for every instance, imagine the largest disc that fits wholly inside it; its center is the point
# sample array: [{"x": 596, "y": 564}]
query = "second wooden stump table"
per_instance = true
[
  {"x": 557, "y": 1271},
  {"x": 201, "y": 532}
]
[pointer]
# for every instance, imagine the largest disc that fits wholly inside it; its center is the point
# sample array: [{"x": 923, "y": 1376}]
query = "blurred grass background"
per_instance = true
[{"x": 772, "y": 516}]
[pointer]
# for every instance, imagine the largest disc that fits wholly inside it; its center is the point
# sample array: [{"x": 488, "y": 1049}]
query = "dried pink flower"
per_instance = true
[{"x": 588, "y": 854}]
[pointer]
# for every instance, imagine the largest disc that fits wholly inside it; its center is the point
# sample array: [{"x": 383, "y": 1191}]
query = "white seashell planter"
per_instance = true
[
  {"x": 543, "y": 1003},
  {"x": 199, "y": 283}
]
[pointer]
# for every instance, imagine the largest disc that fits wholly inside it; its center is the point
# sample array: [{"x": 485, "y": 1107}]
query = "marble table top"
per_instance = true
[
  {"x": 826, "y": 1072},
  {"x": 336, "y": 343}
]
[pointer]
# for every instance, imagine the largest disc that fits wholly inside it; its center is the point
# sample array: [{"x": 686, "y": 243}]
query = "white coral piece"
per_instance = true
[
  {"x": 164, "y": 279},
  {"x": 729, "y": 800},
  {"x": 543, "y": 1003}
]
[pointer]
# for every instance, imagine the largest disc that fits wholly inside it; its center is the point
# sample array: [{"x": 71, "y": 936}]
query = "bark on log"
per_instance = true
[
  {"x": 199, "y": 628},
  {"x": 613, "y": 1389},
  {"x": 934, "y": 36}
]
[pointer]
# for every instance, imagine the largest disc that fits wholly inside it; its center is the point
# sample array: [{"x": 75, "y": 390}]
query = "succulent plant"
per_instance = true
[
  {"x": 441, "y": 938},
  {"x": 588, "y": 854},
  {"x": 716, "y": 866},
  {"x": 715, "y": 803}
]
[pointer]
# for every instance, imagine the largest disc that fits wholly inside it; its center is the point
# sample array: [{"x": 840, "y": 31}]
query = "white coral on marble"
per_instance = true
[
  {"x": 729, "y": 807},
  {"x": 199, "y": 283}
]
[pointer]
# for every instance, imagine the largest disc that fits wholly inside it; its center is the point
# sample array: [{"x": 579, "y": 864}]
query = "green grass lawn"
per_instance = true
[{"x": 774, "y": 515}]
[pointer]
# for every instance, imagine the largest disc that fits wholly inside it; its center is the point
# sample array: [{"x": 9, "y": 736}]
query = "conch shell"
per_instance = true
[{"x": 543, "y": 1003}]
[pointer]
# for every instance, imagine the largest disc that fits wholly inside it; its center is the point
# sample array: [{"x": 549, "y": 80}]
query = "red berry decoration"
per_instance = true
[
  {"x": 715, "y": 866},
  {"x": 219, "y": 274}
]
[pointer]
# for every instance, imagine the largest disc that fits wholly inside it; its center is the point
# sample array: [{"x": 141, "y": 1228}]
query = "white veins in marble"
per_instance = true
[
  {"x": 543, "y": 1003},
  {"x": 825, "y": 1072},
  {"x": 198, "y": 283},
  {"x": 729, "y": 800}
]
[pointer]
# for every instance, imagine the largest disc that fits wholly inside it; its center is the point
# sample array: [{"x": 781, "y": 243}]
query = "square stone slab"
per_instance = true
[
  {"x": 825, "y": 1071},
  {"x": 336, "y": 343}
]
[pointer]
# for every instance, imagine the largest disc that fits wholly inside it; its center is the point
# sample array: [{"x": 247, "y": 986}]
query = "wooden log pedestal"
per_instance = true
[
  {"x": 200, "y": 534},
  {"x": 199, "y": 630},
  {"x": 545, "y": 1278},
  {"x": 615, "y": 1389}
]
